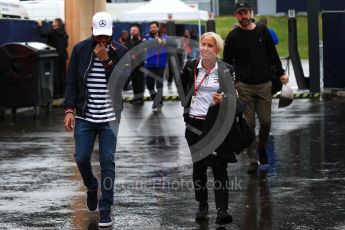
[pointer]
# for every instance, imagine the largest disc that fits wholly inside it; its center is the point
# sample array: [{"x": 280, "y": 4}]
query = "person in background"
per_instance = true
[
  {"x": 186, "y": 44},
  {"x": 163, "y": 30},
  {"x": 250, "y": 49},
  {"x": 272, "y": 33},
  {"x": 156, "y": 58},
  {"x": 194, "y": 43},
  {"x": 205, "y": 77},
  {"x": 57, "y": 38},
  {"x": 170, "y": 43},
  {"x": 124, "y": 38},
  {"x": 125, "y": 41},
  {"x": 138, "y": 79},
  {"x": 192, "y": 35},
  {"x": 89, "y": 111}
]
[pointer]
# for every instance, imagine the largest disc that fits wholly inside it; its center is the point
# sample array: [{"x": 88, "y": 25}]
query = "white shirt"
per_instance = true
[{"x": 204, "y": 94}]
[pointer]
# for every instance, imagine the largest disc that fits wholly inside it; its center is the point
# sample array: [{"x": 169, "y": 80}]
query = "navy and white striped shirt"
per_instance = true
[{"x": 99, "y": 107}]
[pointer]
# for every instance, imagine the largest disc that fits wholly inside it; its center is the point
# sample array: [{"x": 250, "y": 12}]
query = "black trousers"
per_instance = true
[
  {"x": 220, "y": 174},
  {"x": 59, "y": 78},
  {"x": 158, "y": 81},
  {"x": 138, "y": 83}
]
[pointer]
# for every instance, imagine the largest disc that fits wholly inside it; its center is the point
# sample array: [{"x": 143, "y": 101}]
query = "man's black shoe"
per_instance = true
[
  {"x": 127, "y": 87},
  {"x": 263, "y": 156},
  {"x": 202, "y": 212},
  {"x": 253, "y": 168},
  {"x": 223, "y": 217},
  {"x": 105, "y": 218},
  {"x": 157, "y": 107},
  {"x": 138, "y": 101},
  {"x": 92, "y": 200},
  {"x": 154, "y": 106}
]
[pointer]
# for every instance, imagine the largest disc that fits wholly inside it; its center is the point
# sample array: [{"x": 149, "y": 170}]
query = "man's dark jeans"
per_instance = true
[{"x": 85, "y": 134}]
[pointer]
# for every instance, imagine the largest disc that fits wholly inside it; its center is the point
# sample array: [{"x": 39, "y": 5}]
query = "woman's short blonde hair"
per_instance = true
[{"x": 217, "y": 38}]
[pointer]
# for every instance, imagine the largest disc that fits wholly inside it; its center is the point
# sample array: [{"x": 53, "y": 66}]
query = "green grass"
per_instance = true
[{"x": 279, "y": 25}]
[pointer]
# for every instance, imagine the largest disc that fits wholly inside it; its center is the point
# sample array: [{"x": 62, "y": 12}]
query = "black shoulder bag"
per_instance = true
[
  {"x": 275, "y": 78},
  {"x": 239, "y": 137}
]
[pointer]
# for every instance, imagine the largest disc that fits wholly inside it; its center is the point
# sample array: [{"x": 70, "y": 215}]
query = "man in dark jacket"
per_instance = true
[
  {"x": 138, "y": 80},
  {"x": 250, "y": 49},
  {"x": 89, "y": 108},
  {"x": 57, "y": 38}
]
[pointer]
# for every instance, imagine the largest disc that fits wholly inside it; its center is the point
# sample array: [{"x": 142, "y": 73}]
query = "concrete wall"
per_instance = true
[{"x": 78, "y": 15}]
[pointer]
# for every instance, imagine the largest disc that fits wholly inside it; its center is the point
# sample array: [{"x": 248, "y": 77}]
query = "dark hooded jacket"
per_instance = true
[
  {"x": 58, "y": 39},
  {"x": 79, "y": 66},
  {"x": 224, "y": 150}
]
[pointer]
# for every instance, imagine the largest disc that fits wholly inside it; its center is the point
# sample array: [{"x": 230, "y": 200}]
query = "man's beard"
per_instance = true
[
  {"x": 245, "y": 22},
  {"x": 154, "y": 33}
]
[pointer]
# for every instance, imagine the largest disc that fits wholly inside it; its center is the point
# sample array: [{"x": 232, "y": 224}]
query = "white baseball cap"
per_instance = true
[{"x": 102, "y": 24}]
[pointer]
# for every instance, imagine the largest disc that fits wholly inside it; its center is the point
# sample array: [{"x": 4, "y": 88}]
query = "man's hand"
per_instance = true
[
  {"x": 39, "y": 22},
  {"x": 69, "y": 121},
  {"x": 101, "y": 52},
  {"x": 160, "y": 40},
  {"x": 284, "y": 79}
]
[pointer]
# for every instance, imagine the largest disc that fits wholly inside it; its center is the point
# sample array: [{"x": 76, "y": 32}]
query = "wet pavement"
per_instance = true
[{"x": 302, "y": 188}]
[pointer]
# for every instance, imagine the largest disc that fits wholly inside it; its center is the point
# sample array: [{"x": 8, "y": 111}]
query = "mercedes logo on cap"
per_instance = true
[
  {"x": 241, "y": 4},
  {"x": 102, "y": 23}
]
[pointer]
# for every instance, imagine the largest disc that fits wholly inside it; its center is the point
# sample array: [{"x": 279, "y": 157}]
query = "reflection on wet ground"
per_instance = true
[{"x": 302, "y": 188}]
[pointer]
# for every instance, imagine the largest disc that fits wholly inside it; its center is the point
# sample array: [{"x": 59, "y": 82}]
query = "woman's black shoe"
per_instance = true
[
  {"x": 223, "y": 217},
  {"x": 202, "y": 212}
]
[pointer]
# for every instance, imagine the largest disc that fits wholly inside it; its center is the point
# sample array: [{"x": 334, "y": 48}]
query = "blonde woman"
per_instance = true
[{"x": 203, "y": 76}]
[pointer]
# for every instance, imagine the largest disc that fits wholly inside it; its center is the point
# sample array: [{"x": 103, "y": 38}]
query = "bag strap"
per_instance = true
[
  {"x": 192, "y": 63},
  {"x": 271, "y": 50}
]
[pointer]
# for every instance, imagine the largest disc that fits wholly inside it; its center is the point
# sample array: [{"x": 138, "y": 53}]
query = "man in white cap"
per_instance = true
[{"x": 89, "y": 111}]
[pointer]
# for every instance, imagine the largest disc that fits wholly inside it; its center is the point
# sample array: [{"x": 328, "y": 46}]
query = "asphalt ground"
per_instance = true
[{"x": 303, "y": 187}]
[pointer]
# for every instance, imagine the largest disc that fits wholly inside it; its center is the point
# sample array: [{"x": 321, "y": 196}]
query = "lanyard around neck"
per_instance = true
[{"x": 196, "y": 87}]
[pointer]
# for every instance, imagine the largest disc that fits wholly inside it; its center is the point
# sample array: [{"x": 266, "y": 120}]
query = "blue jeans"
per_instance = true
[{"x": 85, "y": 134}]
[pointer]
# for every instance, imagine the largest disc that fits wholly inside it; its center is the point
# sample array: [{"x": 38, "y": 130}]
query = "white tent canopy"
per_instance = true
[{"x": 160, "y": 10}]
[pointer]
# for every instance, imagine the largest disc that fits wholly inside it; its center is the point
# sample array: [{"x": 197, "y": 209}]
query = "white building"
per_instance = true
[{"x": 45, "y": 9}]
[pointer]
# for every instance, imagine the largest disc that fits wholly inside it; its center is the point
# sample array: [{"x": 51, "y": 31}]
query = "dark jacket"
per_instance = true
[
  {"x": 253, "y": 55},
  {"x": 187, "y": 80},
  {"x": 156, "y": 55},
  {"x": 56, "y": 38},
  {"x": 239, "y": 137},
  {"x": 79, "y": 66},
  {"x": 138, "y": 61}
]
